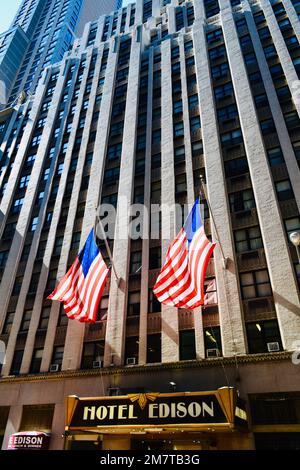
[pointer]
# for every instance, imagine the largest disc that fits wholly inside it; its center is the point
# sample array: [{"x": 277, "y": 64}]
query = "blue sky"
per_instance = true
[{"x": 7, "y": 13}]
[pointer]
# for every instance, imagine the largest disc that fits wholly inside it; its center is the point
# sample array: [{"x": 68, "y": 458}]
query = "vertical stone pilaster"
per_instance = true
[
  {"x": 75, "y": 332},
  {"x": 229, "y": 303},
  {"x": 169, "y": 315},
  {"x": 117, "y": 310}
]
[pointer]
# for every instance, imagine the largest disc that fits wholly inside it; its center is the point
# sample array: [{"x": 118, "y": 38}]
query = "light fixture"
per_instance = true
[
  {"x": 172, "y": 383},
  {"x": 295, "y": 238},
  {"x": 258, "y": 326}
]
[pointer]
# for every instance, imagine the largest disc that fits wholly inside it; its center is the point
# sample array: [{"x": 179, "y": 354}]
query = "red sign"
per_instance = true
[{"x": 29, "y": 440}]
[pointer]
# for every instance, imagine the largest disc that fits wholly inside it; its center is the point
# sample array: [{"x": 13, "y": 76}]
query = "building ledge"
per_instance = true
[{"x": 192, "y": 364}]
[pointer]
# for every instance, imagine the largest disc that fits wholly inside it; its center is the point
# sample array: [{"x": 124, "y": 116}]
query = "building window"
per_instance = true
[
  {"x": 36, "y": 361},
  {"x": 248, "y": 239},
  {"x": 284, "y": 190},
  {"x": 241, "y": 201},
  {"x": 37, "y": 418},
  {"x": 195, "y": 123},
  {"x": 26, "y": 320},
  {"x": 212, "y": 341},
  {"x": 131, "y": 350},
  {"x": 275, "y": 156},
  {"x": 134, "y": 299},
  {"x": 236, "y": 167},
  {"x": 261, "y": 334},
  {"x": 187, "y": 346},
  {"x": 135, "y": 262},
  {"x": 292, "y": 225},
  {"x": 153, "y": 348},
  {"x": 57, "y": 356},
  {"x": 44, "y": 318},
  {"x": 92, "y": 353},
  {"x": 34, "y": 224},
  {"x": 178, "y": 129},
  {"x": 154, "y": 304},
  {"x": 3, "y": 258},
  {"x": 16, "y": 363},
  {"x": 24, "y": 181},
  {"x": 8, "y": 323},
  {"x": 255, "y": 284}
]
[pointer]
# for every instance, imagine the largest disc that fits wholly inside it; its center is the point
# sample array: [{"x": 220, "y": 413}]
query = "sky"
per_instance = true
[{"x": 8, "y": 11}]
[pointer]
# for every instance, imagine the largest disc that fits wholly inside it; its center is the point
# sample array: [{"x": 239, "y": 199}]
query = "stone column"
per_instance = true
[{"x": 229, "y": 302}]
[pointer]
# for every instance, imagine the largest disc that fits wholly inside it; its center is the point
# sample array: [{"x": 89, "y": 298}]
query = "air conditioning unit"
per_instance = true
[
  {"x": 54, "y": 368},
  {"x": 130, "y": 361},
  {"x": 212, "y": 352},
  {"x": 97, "y": 364},
  {"x": 273, "y": 347}
]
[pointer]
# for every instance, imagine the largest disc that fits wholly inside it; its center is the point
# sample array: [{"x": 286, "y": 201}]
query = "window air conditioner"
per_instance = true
[
  {"x": 54, "y": 367},
  {"x": 273, "y": 347},
  {"x": 212, "y": 353},
  {"x": 130, "y": 361},
  {"x": 97, "y": 364}
]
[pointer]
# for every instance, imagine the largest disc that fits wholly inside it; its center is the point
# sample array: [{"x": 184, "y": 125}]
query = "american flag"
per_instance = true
[
  {"x": 181, "y": 280},
  {"x": 81, "y": 288}
]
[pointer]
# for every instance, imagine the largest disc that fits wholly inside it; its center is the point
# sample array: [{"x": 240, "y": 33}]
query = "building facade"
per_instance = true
[
  {"x": 41, "y": 32},
  {"x": 149, "y": 99}
]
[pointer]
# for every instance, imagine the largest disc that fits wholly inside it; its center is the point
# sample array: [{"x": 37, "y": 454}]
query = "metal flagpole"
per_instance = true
[
  {"x": 225, "y": 258},
  {"x": 106, "y": 245}
]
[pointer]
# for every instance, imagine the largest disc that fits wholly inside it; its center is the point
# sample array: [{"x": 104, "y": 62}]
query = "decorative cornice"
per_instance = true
[{"x": 140, "y": 369}]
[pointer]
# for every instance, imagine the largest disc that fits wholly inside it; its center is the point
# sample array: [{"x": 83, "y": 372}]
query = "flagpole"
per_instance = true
[
  {"x": 106, "y": 245},
  {"x": 225, "y": 258}
]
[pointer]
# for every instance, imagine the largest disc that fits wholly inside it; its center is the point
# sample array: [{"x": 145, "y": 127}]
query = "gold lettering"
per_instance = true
[
  {"x": 152, "y": 407},
  {"x": 130, "y": 413},
  {"x": 120, "y": 411},
  {"x": 181, "y": 410},
  {"x": 89, "y": 413},
  {"x": 101, "y": 412},
  {"x": 208, "y": 409}
]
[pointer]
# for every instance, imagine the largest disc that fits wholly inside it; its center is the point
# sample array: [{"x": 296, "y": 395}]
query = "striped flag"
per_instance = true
[
  {"x": 181, "y": 280},
  {"x": 81, "y": 288}
]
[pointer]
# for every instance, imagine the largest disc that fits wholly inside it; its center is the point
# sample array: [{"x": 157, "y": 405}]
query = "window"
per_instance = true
[
  {"x": 195, "y": 123},
  {"x": 103, "y": 309},
  {"x": 255, "y": 284},
  {"x": 261, "y": 100},
  {"x": 26, "y": 320},
  {"x": 58, "y": 246},
  {"x": 75, "y": 241},
  {"x": 292, "y": 225},
  {"x": 178, "y": 129},
  {"x": 270, "y": 51},
  {"x": 267, "y": 126},
  {"x": 177, "y": 107},
  {"x": 236, "y": 167},
  {"x": 231, "y": 138},
  {"x": 242, "y": 200},
  {"x": 16, "y": 363},
  {"x": 227, "y": 113},
  {"x": 92, "y": 352},
  {"x": 154, "y": 305},
  {"x": 18, "y": 203},
  {"x": 223, "y": 91},
  {"x": 187, "y": 346},
  {"x": 248, "y": 239},
  {"x": 217, "y": 52},
  {"x": 3, "y": 258},
  {"x": 179, "y": 154},
  {"x": 284, "y": 190},
  {"x": 34, "y": 224},
  {"x": 250, "y": 58},
  {"x": 133, "y": 303},
  {"x": 24, "y": 181},
  {"x": 8, "y": 323},
  {"x": 153, "y": 348},
  {"x": 57, "y": 356},
  {"x": 114, "y": 151},
  {"x": 275, "y": 156},
  {"x": 46, "y": 174},
  {"x": 260, "y": 334},
  {"x": 197, "y": 149},
  {"x": 36, "y": 140},
  {"x": 36, "y": 361},
  {"x": 135, "y": 262},
  {"x": 44, "y": 318},
  {"x": 219, "y": 71},
  {"x": 131, "y": 348},
  {"x": 212, "y": 340}
]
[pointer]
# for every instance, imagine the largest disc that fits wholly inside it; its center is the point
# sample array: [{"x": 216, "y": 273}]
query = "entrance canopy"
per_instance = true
[{"x": 157, "y": 412}]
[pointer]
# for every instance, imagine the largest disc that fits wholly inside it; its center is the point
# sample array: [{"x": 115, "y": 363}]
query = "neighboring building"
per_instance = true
[
  {"x": 149, "y": 99},
  {"x": 93, "y": 9},
  {"x": 41, "y": 32}
]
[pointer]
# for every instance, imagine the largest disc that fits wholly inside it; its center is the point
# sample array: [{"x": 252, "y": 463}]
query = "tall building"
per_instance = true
[
  {"x": 39, "y": 35},
  {"x": 93, "y": 9},
  {"x": 149, "y": 99}
]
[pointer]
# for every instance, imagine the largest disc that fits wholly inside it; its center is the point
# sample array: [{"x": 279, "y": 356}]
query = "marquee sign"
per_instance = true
[{"x": 153, "y": 409}]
